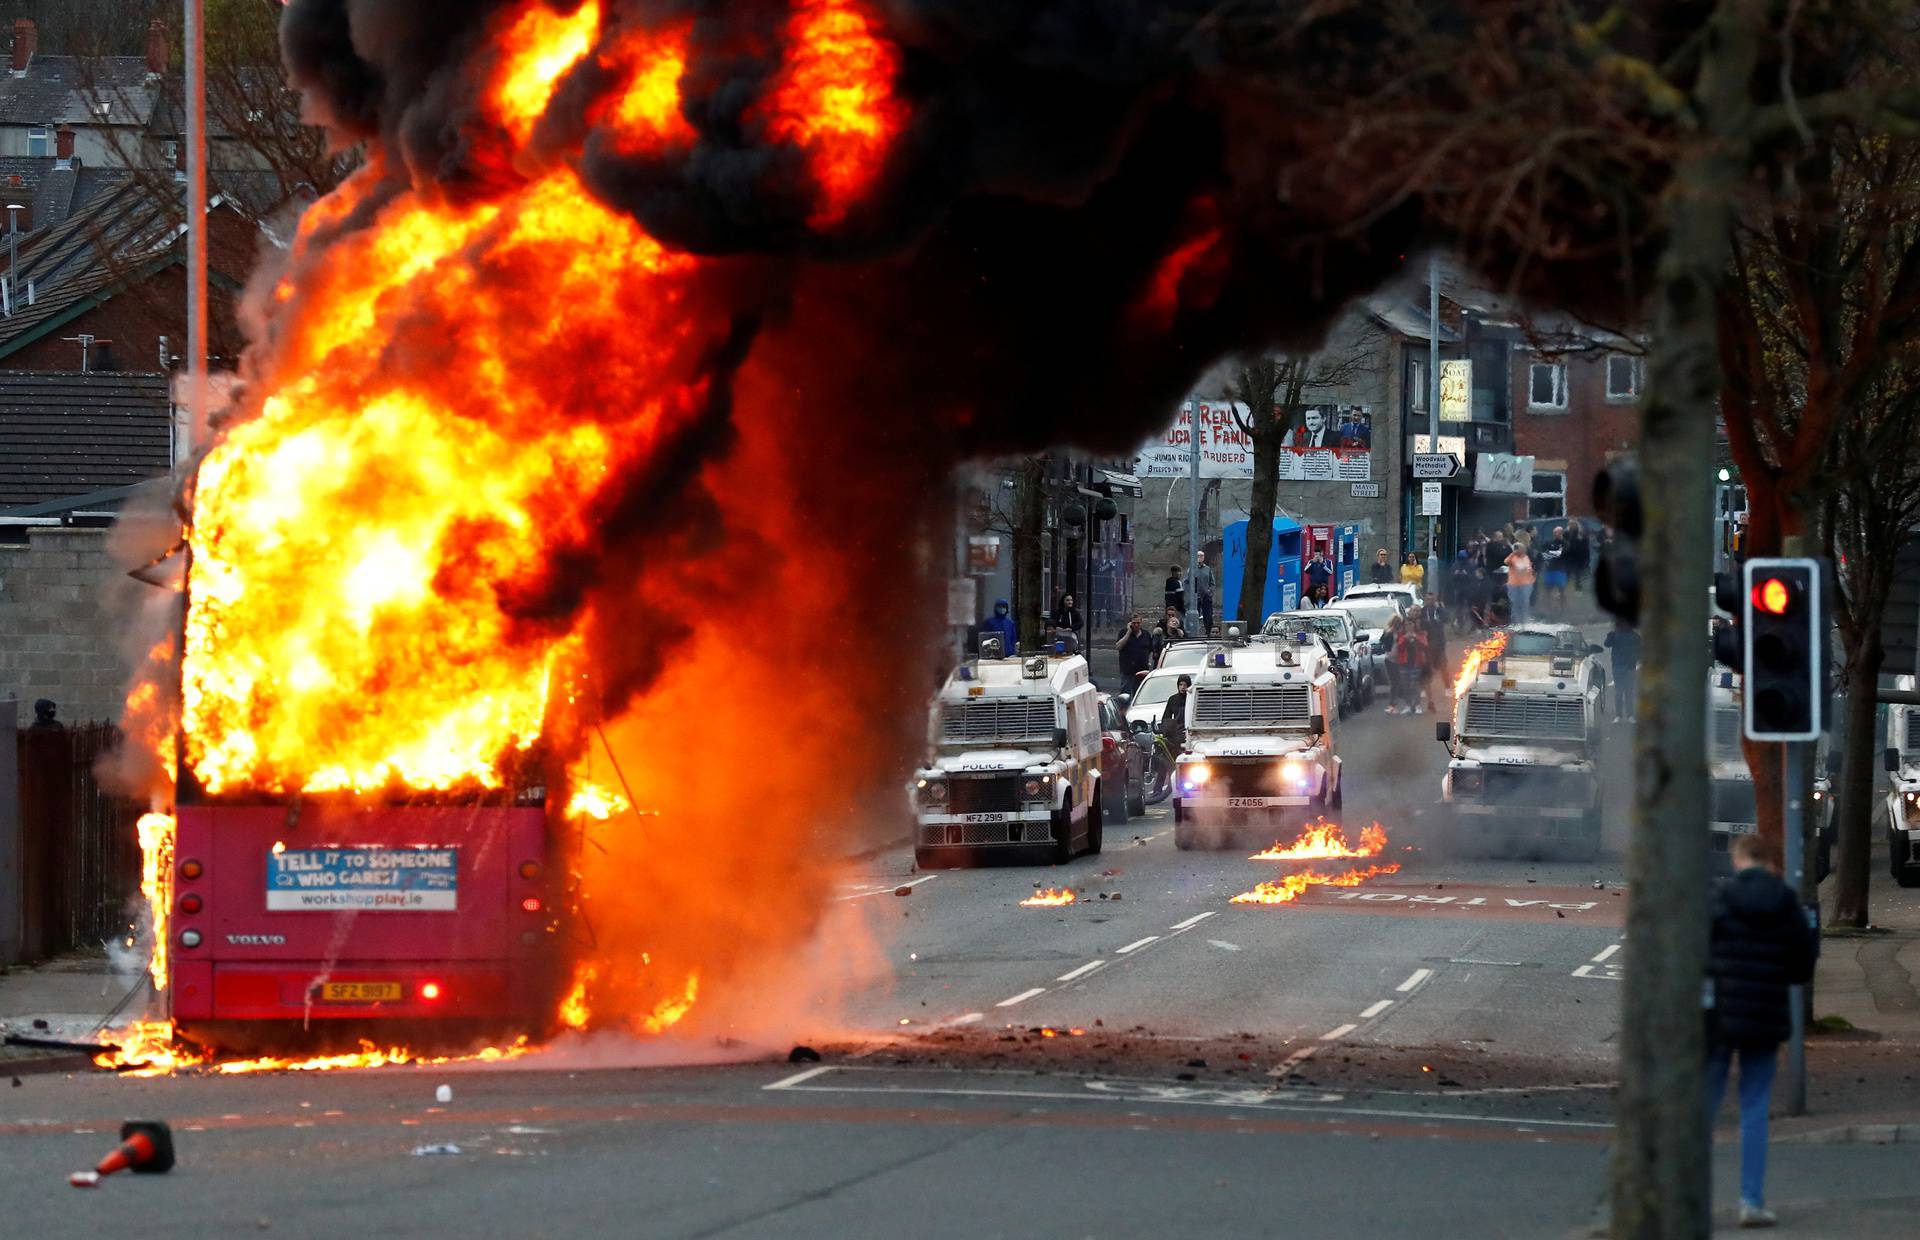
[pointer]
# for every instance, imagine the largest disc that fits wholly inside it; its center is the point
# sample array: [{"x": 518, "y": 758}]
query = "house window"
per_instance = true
[
  {"x": 1547, "y": 386},
  {"x": 1623, "y": 378},
  {"x": 1549, "y": 495},
  {"x": 37, "y": 142},
  {"x": 1417, "y": 386}
]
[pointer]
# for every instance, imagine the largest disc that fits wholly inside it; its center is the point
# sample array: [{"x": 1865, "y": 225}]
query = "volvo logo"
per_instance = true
[{"x": 257, "y": 940}]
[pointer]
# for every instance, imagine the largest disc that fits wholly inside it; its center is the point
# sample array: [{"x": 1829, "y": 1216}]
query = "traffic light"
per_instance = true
[
  {"x": 1729, "y": 638},
  {"x": 1616, "y": 577},
  {"x": 1785, "y": 644}
]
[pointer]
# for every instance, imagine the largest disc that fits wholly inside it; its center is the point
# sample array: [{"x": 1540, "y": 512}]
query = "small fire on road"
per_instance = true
[
  {"x": 1290, "y": 887},
  {"x": 1052, "y": 897},
  {"x": 1326, "y": 841}
]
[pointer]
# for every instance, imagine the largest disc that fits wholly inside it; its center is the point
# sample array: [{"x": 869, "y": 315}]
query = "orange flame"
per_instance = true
[
  {"x": 543, "y": 46},
  {"x": 155, "y": 832},
  {"x": 1477, "y": 657},
  {"x": 834, "y": 97},
  {"x": 1052, "y": 897},
  {"x": 147, "y": 1048},
  {"x": 646, "y": 113},
  {"x": 1290, "y": 887},
  {"x": 1322, "y": 841}
]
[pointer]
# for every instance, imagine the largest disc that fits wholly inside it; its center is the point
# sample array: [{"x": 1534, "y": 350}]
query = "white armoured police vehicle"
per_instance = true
[
  {"x": 1014, "y": 765},
  {"x": 1734, "y": 808},
  {"x": 1259, "y": 742},
  {"x": 1521, "y": 775},
  {"x": 1903, "y": 796}
]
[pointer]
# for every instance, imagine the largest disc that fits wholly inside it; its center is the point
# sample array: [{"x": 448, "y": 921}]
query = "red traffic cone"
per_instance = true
[{"x": 146, "y": 1146}]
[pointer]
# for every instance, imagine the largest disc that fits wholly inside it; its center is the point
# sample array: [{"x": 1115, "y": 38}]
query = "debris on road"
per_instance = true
[
  {"x": 443, "y": 1094},
  {"x": 803, "y": 1054},
  {"x": 1050, "y": 897},
  {"x": 84, "y": 1179},
  {"x": 905, "y": 890},
  {"x": 434, "y": 1151}
]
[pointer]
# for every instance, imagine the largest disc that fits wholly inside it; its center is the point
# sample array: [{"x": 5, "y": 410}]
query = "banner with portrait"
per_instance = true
[{"x": 1322, "y": 443}]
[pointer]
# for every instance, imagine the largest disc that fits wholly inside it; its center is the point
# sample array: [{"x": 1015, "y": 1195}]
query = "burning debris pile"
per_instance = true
[
  {"x": 1319, "y": 841},
  {"x": 1051, "y": 897},
  {"x": 1323, "y": 840}
]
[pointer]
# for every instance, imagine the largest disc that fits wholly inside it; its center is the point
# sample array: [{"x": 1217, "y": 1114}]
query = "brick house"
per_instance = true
[
  {"x": 106, "y": 289},
  {"x": 1576, "y": 405}
]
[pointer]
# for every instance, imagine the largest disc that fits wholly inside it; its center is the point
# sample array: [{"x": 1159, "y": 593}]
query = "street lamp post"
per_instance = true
[{"x": 195, "y": 96}]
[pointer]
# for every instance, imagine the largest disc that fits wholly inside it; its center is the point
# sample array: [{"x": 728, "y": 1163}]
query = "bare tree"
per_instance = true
[{"x": 1269, "y": 391}]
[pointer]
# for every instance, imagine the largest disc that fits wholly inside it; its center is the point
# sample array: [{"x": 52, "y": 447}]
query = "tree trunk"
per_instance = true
[
  {"x": 1660, "y": 1183},
  {"x": 1855, "y": 807},
  {"x": 1267, "y": 434},
  {"x": 1029, "y": 529}
]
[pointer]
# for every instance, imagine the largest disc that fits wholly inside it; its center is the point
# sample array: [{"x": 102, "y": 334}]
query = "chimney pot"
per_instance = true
[
  {"x": 25, "y": 42},
  {"x": 63, "y": 143},
  {"x": 158, "y": 51}
]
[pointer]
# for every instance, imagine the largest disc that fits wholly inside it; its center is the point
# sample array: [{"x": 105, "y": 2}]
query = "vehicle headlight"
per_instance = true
[
  {"x": 1294, "y": 772},
  {"x": 1194, "y": 775},
  {"x": 1913, "y": 799},
  {"x": 1469, "y": 781},
  {"x": 933, "y": 791},
  {"x": 1033, "y": 786},
  {"x": 1819, "y": 795}
]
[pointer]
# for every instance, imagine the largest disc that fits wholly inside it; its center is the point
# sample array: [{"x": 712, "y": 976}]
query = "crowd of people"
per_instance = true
[{"x": 1513, "y": 575}]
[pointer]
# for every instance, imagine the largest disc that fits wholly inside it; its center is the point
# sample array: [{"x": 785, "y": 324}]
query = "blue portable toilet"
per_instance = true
[{"x": 1283, "y": 569}]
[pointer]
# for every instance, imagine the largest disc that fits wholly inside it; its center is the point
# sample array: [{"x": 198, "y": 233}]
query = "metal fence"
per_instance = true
[{"x": 81, "y": 860}]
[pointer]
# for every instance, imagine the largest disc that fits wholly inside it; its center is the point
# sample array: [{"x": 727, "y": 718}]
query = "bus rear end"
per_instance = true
[{"x": 415, "y": 924}]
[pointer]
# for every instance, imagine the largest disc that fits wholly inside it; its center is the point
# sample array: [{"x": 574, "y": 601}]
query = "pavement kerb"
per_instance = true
[
  {"x": 38, "y": 1065},
  {"x": 1907, "y": 1133}
]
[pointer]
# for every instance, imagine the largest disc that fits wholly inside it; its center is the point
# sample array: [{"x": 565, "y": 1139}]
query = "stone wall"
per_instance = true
[{"x": 59, "y": 638}]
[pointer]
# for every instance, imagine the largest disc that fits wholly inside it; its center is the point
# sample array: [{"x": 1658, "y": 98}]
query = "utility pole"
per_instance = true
[
  {"x": 196, "y": 107},
  {"x": 1193, "y": 499},
  {"x": 1661, "y": 1186},
  {"x": 1433, "y": 406}
]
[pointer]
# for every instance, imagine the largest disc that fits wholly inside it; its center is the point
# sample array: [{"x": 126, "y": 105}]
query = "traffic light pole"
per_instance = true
[{"x": 1792, "y": 758}]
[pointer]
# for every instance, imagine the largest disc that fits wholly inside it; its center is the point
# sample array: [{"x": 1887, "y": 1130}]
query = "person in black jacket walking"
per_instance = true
[{"x": 1761, "y": 945}]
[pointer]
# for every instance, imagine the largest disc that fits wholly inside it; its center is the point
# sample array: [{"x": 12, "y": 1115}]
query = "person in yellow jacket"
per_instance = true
[{"x": 1411, "y": 574}]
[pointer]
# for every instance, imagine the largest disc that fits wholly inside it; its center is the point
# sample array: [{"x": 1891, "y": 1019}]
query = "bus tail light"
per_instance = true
[
  {"x": 190, "y": 869},
  {"x": 190, "y": 938},
  {"x": 430, "y": 991},
  {"x": 190, "y": 903},
  {"x": 531, "y": 904},
  {"x": 529, "y": 869}
]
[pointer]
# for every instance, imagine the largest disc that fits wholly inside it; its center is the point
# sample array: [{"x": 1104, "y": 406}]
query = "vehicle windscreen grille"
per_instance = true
[
  {"x": 1911, "y": 730},
  {"x": 983, "y": 795},
  {"x": 1726, "y": 731},
  {"x": 1519, "y": 715},
  {"x": 1269, "y": 706},
  {"x": 997, "y": 719}
]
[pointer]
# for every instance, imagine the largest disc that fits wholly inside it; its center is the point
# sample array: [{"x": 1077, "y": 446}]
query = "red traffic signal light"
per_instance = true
[{"x": 1774, "y": 596}]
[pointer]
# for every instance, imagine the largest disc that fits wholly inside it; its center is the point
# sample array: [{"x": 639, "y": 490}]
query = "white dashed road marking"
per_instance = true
[
  {"x": 1376, "y": 1009},
  {"x": 788, "y": 1082},
  {"x": 1605, "y": 952},
  {"x": 880, "y": 891},
  {"x": 968, "y": 1019},
  {"x": 1137, "y": 944},
  {"x": 1082, "y": 971},
  {"x": 1191, "y": 922},
  {"x": 1419, "y": 975},
  {"x": 1334, "y": 1035},
  {"x": 1022, "y": 997}
]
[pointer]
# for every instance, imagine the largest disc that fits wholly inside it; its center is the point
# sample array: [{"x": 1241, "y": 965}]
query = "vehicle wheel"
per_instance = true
[
  {"x": 1588, "y": 846},
  {"x": 1823, "y": 859},
  {"x": 1897, "y": 851},
  {"x": 1185, "y": 838},
  {"x": 1096, "y": 826},
  {"x": 931, "y": 859},
  {"x": 1115, "y": 805},
  {"x": 1137, "y": 802},
  {"x": 1063, "y": 833},
  {"x": 1339, "y": 793}
]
